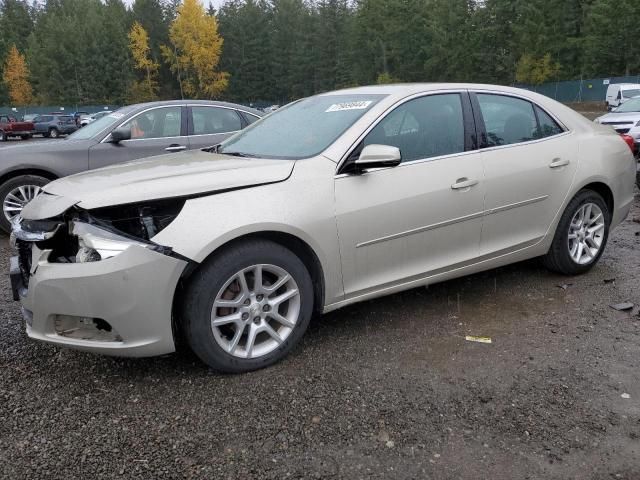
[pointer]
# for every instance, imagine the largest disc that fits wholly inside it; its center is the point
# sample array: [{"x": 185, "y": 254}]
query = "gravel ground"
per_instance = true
[{"x": 385, "y": 389}]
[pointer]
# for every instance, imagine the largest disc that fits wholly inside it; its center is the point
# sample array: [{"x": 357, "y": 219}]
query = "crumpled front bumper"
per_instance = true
[{"x": 133, "y": 292}]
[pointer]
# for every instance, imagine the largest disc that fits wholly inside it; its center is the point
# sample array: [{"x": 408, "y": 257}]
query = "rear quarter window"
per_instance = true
[{"x": 547, "y": 126}]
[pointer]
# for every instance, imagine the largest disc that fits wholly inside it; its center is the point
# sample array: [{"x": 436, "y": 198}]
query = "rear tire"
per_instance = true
[
  {"x": 3, "y": 137},
  {"x": 256, "y": 338},
  {"x": 565, "y": 250},
  {"x": 30, "y": 187}
]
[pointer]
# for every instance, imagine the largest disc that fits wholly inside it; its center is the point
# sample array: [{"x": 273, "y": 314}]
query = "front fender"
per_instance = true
[{"x": 301, "y": 206}]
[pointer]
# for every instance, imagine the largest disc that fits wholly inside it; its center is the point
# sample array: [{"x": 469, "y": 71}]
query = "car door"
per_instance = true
[
  {"x": 210, "y": 125},
  {"x": 529, "y": 162},
  {"x": 155, "y": 131},
  {"x": 423, "y": 216}
]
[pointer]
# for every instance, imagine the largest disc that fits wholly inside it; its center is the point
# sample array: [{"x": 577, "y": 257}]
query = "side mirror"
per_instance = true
[
  {"x": 120, "y": 134},
  {"x": 378, "y": 156}
]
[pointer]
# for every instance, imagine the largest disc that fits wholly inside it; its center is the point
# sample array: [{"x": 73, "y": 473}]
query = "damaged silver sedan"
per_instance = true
[{"x": 332, "y": 200}]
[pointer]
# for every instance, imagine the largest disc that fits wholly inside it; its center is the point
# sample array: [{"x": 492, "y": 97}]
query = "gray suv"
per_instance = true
[
  {"x": 52, "y": 125},
  {"x": 132, "y": 132}
]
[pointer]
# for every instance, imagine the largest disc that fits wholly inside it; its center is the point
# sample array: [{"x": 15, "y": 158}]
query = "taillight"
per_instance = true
[{"x": 630, "y": 142}]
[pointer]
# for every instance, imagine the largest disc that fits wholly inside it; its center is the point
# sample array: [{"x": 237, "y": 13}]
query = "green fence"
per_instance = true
[
  {"x": 590, "y": 90},
  {"x": 63, "y": 109}
]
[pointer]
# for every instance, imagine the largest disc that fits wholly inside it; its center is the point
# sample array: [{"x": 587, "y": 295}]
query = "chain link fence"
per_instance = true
[{"x": 577, "y": 91}]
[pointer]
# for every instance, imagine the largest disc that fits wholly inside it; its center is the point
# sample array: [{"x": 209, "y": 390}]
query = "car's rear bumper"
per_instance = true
[{"x": 131, "y": 293}]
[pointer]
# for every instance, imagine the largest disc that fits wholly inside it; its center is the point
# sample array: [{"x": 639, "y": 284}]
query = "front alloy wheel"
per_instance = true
[
  {"x": 247, "y": 305},
  {"x": 17, "y": 198},
  {"x": 255, "y": 311},
  {"x": 15, "y": 193}
]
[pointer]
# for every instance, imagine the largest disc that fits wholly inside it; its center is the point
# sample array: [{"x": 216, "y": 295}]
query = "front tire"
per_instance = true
[
  {"x": 247, "y": 306},
  {"x": 581, "y": 235},
  {"x": 3, "y": 137},
  {"x": 53, "y": 133},
  {"x": 15, "y": 193}
]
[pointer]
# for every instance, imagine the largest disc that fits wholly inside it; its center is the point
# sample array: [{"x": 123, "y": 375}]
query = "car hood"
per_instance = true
[
  {"x": 633, "y": 117},
  {"x": 175, "y": 175},
  {"x": 27, "y": 149}
]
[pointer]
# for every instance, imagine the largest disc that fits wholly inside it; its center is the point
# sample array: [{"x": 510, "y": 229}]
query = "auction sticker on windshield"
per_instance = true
[{"x": 340, "y": 107}]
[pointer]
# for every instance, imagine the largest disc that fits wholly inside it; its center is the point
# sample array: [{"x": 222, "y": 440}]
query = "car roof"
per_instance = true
[
  {"x": 397, "y": 91},
  {"x": 411, "y": 88},
  {"x": 198, "y": 102}
]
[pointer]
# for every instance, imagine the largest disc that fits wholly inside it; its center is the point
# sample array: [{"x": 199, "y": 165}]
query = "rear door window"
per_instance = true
[
  {"x": 507, "y": 120},
  {"x": 211, "y": 120}
]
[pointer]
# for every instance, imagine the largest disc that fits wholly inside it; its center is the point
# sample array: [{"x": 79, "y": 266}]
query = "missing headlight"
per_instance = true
[{"x": 140, "y": 220}]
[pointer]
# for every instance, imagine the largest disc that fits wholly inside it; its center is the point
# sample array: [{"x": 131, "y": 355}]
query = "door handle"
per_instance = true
[
  {"x": 175, "y": 148},
  {"x": 558, "y": 162},
  {"x": 463, "y": 183}
]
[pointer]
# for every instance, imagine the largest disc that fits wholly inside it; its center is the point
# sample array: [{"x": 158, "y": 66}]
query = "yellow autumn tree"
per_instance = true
[
  {"x": 142, "y": 90},
  {"x": 16, "y": 78},
  {"x": 536, "y": 70},
  {"x": 195, "y": 51}
]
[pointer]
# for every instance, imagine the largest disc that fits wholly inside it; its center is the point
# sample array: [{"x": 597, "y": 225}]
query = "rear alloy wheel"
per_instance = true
[
  {"x": 581, "y": 235},
  {"x": 586, "y": 234},
  {"x": 15, "y": 194},
  {"x": 248, "y": 306},
  {"x": 53, "y": 133}
]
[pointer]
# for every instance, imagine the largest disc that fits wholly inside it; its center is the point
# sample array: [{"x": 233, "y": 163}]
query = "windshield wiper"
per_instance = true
[{"x": 236, "y": 154}]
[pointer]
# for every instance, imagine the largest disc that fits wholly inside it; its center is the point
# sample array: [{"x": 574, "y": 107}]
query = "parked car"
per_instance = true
[
  {"x": 10, "y": 127},
  {"x": 129, "y": 133},
  {"x": 54, "y": 125},
  {"x": 331, "y": 200},
  {"x": 271, "y": 109},
  {"x": 87, "y": 119},
  {"x": 618, "y": 93},
  {"x": 77, "y": 116},
  {"x": 625, "y": 120}
]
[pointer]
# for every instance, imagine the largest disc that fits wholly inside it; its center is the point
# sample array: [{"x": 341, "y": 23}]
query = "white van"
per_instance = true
[{"x": 618, "y": 93}]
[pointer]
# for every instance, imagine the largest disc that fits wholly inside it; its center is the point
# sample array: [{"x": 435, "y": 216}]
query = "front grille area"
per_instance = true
[
  {"x": 617, "y": 123},
  {"x": 24, "y": 260},
  {"x": 622, "y": 130}
]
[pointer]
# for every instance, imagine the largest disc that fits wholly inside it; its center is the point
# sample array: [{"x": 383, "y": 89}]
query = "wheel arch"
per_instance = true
[
  {"x": 294, "y": 243},
  {"x": 27, "y": 171},
  {"x": 603, "y": 190}
]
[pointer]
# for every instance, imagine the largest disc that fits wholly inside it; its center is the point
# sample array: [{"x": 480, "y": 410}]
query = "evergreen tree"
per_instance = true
[{"x": 612, "y": 38}]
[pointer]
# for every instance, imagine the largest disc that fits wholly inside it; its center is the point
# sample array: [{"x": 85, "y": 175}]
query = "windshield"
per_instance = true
[
  {"x": 631, "y": 105},
  {"x": 302, "y": 129},
  {"x": 630, "y": 93},
  {"x": 92, "y": 129}
]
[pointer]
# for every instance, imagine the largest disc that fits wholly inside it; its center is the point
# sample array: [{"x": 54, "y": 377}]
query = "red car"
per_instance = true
[{"x": 10, "y": 127}]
